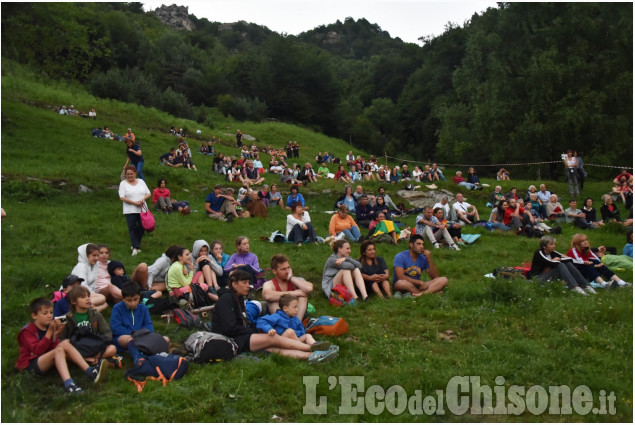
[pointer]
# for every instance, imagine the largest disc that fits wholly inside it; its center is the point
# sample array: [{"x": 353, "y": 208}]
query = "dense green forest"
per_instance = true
[{"x": 520, "y": 83}]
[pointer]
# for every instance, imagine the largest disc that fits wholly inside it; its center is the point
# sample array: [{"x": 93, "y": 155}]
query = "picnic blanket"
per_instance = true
[{"x": 470, "y": 238}]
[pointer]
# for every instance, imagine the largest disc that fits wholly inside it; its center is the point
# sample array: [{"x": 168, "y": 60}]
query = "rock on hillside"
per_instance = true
[
  {"x": 175, "y": 17},
  {"x": 426, "y": 199}
]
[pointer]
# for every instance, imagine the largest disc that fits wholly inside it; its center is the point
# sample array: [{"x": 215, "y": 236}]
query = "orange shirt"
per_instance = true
[{"x": 338, "y": 224}]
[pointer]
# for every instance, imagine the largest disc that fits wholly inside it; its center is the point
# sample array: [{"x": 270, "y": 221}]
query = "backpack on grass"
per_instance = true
[
  {"x": 187, "y": 319},
  {"x": 340, "y": 296},
  {"x": 199, "y": 296},
  {"x": 510, "y": 272},
  {"x": 161, "y": 367},
  {"x": 149, "y": 342},
  {"x": 210, "y": 347},
  {"x": 158, "y": 305},
  {"x": 327, "y": 325}
]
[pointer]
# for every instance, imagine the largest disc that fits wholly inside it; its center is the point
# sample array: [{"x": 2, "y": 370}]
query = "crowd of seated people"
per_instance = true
[{"x": 107, "y": 133}]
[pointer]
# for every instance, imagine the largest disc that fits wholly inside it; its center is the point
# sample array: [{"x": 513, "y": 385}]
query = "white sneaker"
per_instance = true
[
  {"x": 436, "y": 245},
  {"x": 624, "y": 284},
  {"x": 455, "y": 247},
  {"x": 580, "y": 291},
  {"x": 590, "y": 290},
  {"x": 135, "y": 251}
]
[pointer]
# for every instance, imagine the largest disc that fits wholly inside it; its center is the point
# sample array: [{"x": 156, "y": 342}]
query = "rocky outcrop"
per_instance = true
[
  {"x": 427, "y": 198},
  {"x": 175, "y": 17},
  {"x": 333, "y": 37}
]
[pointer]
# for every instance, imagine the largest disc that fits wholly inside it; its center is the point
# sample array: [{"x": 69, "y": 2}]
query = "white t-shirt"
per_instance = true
[
  {"x": 134, "y": 193},
  {"x": 292, "y": 221},
  {"x": 461, "y": 206},
  {"x": 445, "y": 207}
]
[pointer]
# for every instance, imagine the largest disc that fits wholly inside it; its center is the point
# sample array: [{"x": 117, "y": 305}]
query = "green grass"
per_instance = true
[{"x": 529, "y": 334}]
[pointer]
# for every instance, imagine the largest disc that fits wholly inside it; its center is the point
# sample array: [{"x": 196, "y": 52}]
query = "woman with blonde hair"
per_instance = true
[
  {"x": 589, "y": 264},
  {"x": 340, "y": 268}
]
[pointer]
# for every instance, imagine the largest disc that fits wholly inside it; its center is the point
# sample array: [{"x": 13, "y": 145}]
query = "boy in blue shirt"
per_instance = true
[
  {"x": 284, "y": 322},
  {"x": 129, "y": 315},
  {"x": 408, "y": 266}
]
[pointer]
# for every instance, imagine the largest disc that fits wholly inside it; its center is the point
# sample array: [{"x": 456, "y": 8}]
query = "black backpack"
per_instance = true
[
  {"x": 88, "y": 343},
  {"x": 149, "y": 342},
  {"x": 199, "y": 296},
  {"x": 210, "y": 347},
  {"x": 159, "y": 305}
]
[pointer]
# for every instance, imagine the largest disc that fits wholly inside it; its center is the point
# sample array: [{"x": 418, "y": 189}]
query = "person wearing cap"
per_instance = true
[
  {"x": 59, "y": 297},
  {"x": 129, "y": 135}
]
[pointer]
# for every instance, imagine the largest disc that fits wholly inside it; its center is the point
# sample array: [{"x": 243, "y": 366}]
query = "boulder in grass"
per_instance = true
[{"x": 84, "y": 189}]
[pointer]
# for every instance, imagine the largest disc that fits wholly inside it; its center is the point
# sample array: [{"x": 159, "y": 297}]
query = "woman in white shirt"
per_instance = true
[
  {"x": 571, "y": 168},
  {"x": 299, "y": 227},
  {"x": 133, "y": 192}
]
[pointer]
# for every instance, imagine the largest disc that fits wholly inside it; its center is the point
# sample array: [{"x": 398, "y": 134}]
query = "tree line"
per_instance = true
[{"x": 522, "y": 82}]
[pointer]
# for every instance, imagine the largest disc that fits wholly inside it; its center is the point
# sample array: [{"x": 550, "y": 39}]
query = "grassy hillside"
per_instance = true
[{"x": 529, "y": 334}]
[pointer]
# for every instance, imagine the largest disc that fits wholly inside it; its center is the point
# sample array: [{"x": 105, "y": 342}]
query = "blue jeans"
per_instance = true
[
  {"x": 470, "y": 186},
  {"x": 352, "y": 234},
  {"x": 139, "y": 166},
  {"x": 135, "y": 229},
  {"x": 498, "y": 226},
  {"x": 298, "y": 234}
]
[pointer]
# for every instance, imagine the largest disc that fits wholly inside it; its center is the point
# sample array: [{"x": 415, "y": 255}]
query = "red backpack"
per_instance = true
[{"x": 340, "y": 296}]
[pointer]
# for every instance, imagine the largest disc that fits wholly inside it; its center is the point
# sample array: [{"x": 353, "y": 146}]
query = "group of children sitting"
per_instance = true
[{"x": 62, "y": 327}]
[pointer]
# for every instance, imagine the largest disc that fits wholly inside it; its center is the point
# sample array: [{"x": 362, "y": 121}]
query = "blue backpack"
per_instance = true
[{"x": 162, "y": 367}]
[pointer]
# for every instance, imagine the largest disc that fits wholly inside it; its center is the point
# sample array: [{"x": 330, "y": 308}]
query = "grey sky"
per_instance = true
[{"x": 406, "y": 19}]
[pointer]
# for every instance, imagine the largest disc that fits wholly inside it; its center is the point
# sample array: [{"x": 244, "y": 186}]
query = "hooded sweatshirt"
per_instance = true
[
  {"x": 157, "y": 272},
  {"x": 85, "y": 270},
  {"x": 196, "y": 248},
  {"x": 118, "y": 281},
  {"x": 230, "y": 316}
]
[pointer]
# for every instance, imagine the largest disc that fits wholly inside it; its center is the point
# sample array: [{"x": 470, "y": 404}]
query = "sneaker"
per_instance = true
[
  {"x": 183, "y": 304},
  {"x": 115, "y": 362},
  {"x": 407, "y": 295},
  {"x": 624, "y": 284},
  {"x": 461, "y": 243},
  {"x": 323, "y": 356},
  {"x": 580, "y": 291},
  {"x": 97, "y": 372},
  {"x": 455, "y": 247},
  {"x": 135, "y": 251},
  {"x": 352, "y": 303},
  {"x": 397, "y": 294},
  {"x": 320, "y": 346},
  {"x": 74, "y": 389},
  {"x": 436, "y": 245},
  {"x": 590, "y": 290}
]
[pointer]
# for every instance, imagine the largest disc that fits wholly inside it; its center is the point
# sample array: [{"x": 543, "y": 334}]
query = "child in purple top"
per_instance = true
[{"x": 242, "y": 259}]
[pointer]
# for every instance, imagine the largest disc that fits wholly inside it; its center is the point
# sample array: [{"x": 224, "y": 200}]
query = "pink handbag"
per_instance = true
[{"x": 147, "y": 219}]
